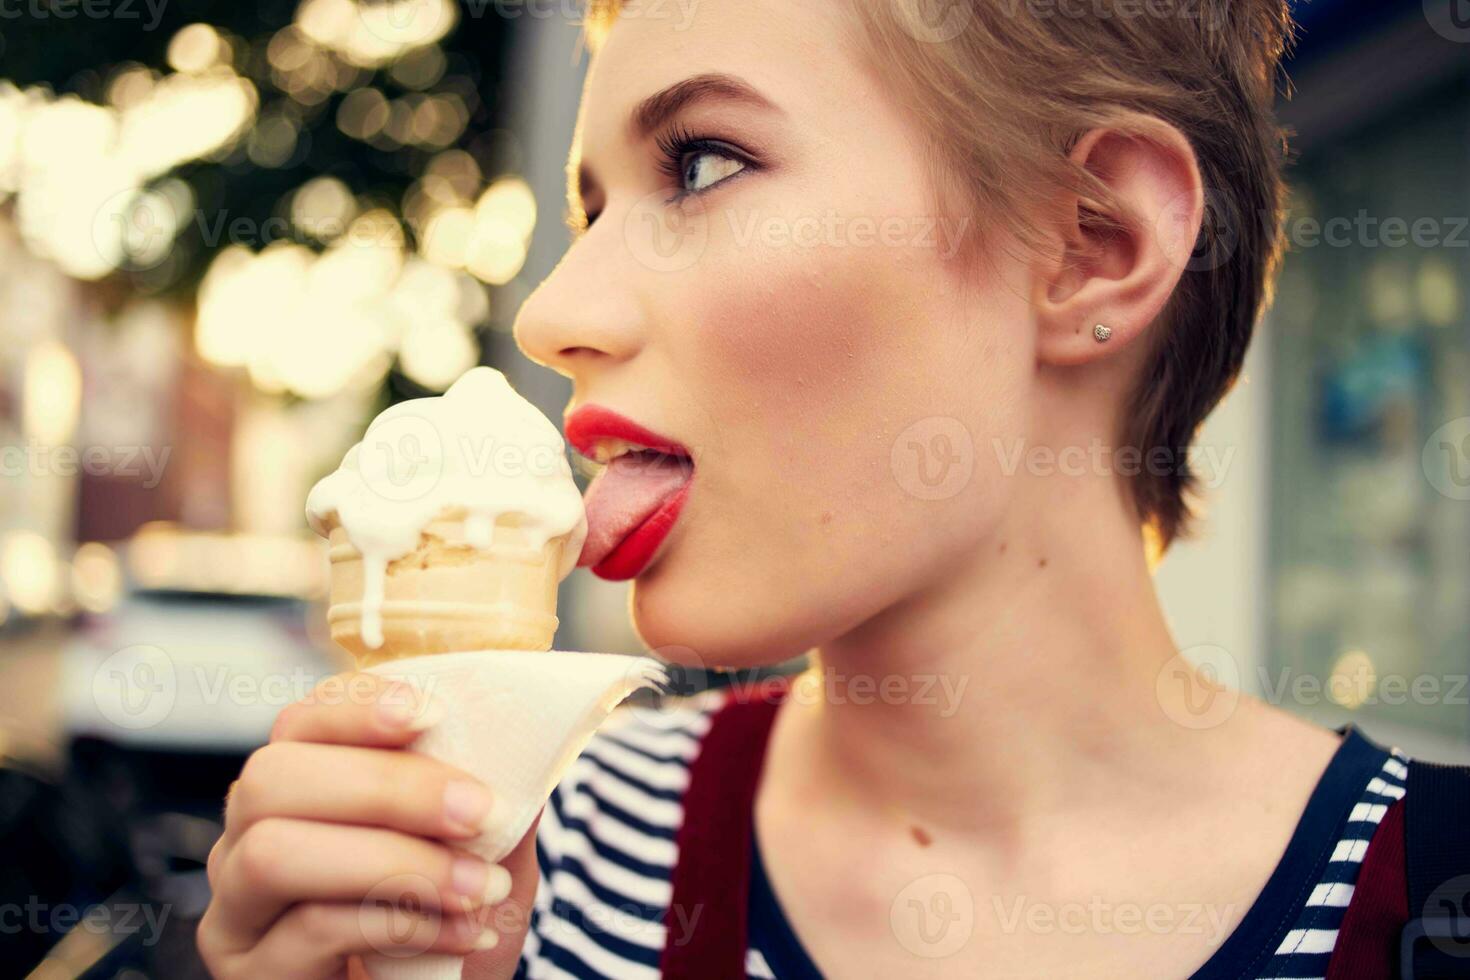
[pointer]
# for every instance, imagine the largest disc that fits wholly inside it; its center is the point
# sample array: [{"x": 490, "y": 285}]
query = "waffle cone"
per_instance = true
[{"x": 447, "y": 595}]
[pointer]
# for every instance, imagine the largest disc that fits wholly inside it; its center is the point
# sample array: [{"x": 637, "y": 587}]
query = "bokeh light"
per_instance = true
[{"x": 53, "y": 394}]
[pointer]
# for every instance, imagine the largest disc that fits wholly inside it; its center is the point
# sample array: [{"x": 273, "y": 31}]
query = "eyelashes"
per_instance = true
[{"x": 678, "y": 147}]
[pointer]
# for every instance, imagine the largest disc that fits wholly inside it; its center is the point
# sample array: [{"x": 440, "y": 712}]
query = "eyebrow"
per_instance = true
[{"x": 656, "y": 110}]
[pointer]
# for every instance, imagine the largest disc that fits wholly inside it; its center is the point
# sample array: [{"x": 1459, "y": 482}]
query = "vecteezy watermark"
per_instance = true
[
  {"x": 1197, "y": 11},
  {"x": 934, "y": 21},
  {"x": 1098, "y": 916},
  {"x": 1445, "y": 918},
  {"x": 664, "y": 235},
  {"x": 835, "y": 231},
  {"x": 36, "y": 917},
  {"x": 85, "y": 9},
  {"x": 398, "y": 918},
  {"x": 404, "y": 456},
  {"x": 1199, "y": 687},
  {"x": 1223, "y": 222},
  {"x": 1446, "y": 459},
  {"x": 1354, "y": 683},
  {"x": 1450, "y": 19},
  {"x": 1366, "y": 230},
  {"x": 138, "y": 687},
  {"x": 397, "y": 22},
  {"x": 401, "y": 458},
  {"x": 828, "y": 685},
  {"x": 934, "y": 458},
  {"x": 35, "y": 459},
  {"x": 933, "y": 917},
  {"x": 1217, "y": 238},
  {"x": 678, "y": 12},
  {"x": 1208, "y": 464},
  {"x": 144, "y": 222},
  {"x": 670, "y": 236}
]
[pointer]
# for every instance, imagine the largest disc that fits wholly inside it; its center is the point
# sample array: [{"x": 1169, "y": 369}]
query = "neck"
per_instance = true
[{"x": 1027, "y": 674}]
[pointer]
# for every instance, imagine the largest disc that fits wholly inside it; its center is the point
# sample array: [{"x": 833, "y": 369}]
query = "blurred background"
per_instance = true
[{"x": 231, "y": 233}]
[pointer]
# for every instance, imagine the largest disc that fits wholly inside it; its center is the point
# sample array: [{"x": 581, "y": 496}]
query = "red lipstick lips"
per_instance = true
[{"x": 634, "y": 503}]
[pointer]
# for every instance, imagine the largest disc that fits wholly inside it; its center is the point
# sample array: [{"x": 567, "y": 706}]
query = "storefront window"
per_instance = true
[{"x": 1370, "y": 497}]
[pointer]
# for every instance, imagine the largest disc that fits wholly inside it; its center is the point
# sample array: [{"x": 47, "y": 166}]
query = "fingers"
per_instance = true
[
  {"x": 279, "y": 861},
  {"x": 358, "y": 709},
  {"x": 333, "y": 847},
  {"x": 347, "y": 784},
  {"x": 513, "y": 917},
  {"x": 313, "y": 939},
  {"x": 319, "y": 936}
]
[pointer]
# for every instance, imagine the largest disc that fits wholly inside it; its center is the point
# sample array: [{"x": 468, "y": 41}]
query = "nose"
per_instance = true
[{"x": 586, "y": 314}]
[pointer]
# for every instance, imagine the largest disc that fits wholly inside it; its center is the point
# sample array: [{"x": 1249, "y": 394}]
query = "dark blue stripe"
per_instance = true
[
  {"x": 598, "y": 752},
  {"x": 605, "y": 940},
  {"x": 677, "y": 760},
  {"x": 612, "y": 855},
  {"x": 564, "y": 958},
  {"x": 672, "y": 795},
  {"x": 1341, "y": 873},
  {"x": 1319, "y": 917},
  {"x": 575, "y": 868},
  {"x": 1297, "y": 965},
  {"x": 627, "y": 818},
  {"x": 559, "y": 807},
  {"x": 543, "y": 860},
  {"x": 603, "y": 850}
]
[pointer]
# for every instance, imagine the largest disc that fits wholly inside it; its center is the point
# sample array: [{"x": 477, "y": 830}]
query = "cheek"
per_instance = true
[
  {"x": 809, "y": 366},
  {"x": 814, "y": 339},
  {"x": 815, "y": 362}
]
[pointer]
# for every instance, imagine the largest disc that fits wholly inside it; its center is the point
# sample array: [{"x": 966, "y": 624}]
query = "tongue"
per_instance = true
[{"x": 625, "y": 495}]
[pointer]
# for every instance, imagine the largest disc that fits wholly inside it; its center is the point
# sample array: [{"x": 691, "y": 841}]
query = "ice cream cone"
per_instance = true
[
  {"x": 516, "y": 721},
  {"x": 450, "y": 531},
  {"x": 447, "y": 595}
]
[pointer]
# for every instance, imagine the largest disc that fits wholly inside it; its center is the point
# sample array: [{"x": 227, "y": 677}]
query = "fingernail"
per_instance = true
[
  {"x": 469, "y": 876},
  {"x": 477, "y": 935},
  {"x": 497, "y": 889},
  {"x": 431, "y": 713},
  {"x": 501, "y": 815},
  {"x": 466, "y": 804},
  {"x": 479, "y": 880},
  {"x": 403, "y": 708}
]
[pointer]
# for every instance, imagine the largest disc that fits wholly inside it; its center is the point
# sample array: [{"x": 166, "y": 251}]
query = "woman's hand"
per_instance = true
[{"x": 336, "y": 844}]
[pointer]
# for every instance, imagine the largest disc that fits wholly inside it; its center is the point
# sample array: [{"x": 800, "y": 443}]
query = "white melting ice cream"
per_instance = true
[
  {"x": 454, "y": 507},
  {"x": 480, "y": 450}
]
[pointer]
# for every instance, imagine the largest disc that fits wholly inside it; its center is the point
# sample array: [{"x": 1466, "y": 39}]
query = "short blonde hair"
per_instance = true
[{"x": 1003, "y": 89}]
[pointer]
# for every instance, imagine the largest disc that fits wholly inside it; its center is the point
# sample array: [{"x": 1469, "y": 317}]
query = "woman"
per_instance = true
[{"x": 917, "y": 291}]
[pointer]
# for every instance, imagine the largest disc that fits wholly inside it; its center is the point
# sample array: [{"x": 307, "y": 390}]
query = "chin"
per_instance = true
[{"x": 686, "y": 620}]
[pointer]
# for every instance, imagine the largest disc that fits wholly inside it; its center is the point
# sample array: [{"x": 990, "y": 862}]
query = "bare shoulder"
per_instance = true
[
  {"x": 1251, "y": 786},
  {"x": 1290, "y": 753}
]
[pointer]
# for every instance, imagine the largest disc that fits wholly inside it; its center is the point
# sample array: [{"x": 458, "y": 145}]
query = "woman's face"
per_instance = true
[{"x": 765, "y": 279}]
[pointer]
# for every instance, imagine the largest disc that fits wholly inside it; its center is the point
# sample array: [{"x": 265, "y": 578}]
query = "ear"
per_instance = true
[{"x": 1120, "y": 277}]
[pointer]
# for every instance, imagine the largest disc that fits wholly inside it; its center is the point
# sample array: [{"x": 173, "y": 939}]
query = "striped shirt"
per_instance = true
[{"x": 606, "y": 849}]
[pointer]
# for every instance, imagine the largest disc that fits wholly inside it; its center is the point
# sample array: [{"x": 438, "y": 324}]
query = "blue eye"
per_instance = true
[
  {"x": 704, "y": 169},
  {"x": 695, "y": 164}
]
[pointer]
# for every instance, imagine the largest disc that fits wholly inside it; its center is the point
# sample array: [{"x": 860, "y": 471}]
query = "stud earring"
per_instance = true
[{"x": 1103, "y": 333}]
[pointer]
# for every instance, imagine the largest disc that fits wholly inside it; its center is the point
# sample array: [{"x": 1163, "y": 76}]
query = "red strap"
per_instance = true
[
  {"x": 706, "y": 919},
  {"x": 1367, "y": 945}
]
